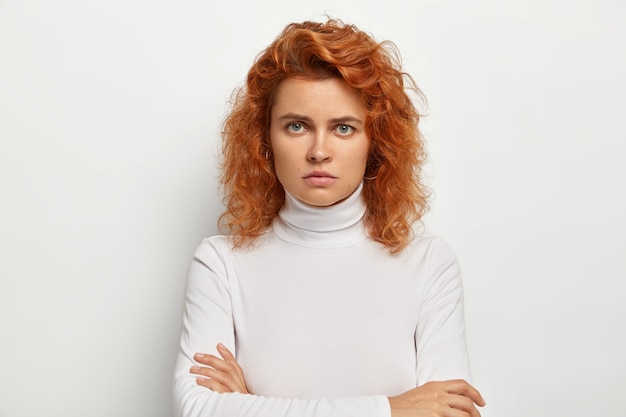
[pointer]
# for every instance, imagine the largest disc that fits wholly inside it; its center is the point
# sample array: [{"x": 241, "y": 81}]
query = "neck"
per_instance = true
[{"x": 333, "y": 226}]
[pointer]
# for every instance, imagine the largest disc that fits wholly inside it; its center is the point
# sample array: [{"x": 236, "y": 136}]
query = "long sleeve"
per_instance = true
[
  {"x": 440, "y": 336},
  {"x": 207, "y": 321}
]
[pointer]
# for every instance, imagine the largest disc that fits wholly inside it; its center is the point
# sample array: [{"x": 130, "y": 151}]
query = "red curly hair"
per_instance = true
[{"x": 396, "y": 197}]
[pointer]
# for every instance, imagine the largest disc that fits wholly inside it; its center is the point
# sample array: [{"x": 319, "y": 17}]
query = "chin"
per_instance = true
[
  {"x": 320, "y": 198},
  {"x": 318, "y": 201},
  {"x": 324, "y": 202}
]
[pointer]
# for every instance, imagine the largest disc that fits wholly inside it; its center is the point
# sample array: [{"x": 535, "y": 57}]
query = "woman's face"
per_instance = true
[{"x": 318, "y": 139}]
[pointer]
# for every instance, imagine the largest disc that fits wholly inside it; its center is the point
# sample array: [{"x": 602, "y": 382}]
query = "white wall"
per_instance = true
[{"x": 109, "y": 119}]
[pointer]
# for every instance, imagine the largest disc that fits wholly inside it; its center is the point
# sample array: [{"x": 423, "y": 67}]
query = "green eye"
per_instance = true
[
  {"x": 295, "y": 127},
  {"x": 344, "y": 129}
]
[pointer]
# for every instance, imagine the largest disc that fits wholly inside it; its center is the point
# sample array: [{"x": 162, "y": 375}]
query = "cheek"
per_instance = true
[
  {"x": 364, "y": 157},
  {"x": 283, "y": 166},
  {"x": 280, "y": 160},
  {"x": 287, "y": 156}
]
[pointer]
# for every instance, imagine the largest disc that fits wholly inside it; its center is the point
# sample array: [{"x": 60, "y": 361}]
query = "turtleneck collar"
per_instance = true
[{"x": 334, "y": 226}]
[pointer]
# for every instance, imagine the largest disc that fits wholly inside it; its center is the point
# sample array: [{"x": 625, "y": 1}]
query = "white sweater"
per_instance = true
[{"x": 324, "y": 321}]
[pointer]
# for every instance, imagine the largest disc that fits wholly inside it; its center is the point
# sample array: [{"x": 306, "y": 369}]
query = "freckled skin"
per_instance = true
[{"x": 318, "y": 139}]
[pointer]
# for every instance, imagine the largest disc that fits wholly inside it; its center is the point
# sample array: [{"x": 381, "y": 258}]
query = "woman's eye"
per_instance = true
[
  {"x": 295, "y": 127},
  {"x": 344, "y": 129}
]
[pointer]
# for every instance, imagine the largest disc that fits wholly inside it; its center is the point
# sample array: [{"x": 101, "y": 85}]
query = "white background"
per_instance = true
[{"x": 109, "y": 120}]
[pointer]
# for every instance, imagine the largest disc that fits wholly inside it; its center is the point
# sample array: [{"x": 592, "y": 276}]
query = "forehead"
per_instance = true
[{"x": 312, "y": 97}]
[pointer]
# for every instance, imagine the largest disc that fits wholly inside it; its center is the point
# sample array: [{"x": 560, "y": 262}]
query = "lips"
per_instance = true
[
  {"x": 319, "y": 174},
  {"x": 319, "y": 178}
]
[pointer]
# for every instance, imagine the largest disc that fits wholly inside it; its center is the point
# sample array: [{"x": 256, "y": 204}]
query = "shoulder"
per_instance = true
[
  {"x": 212, "y": 249},
  {"x": 432, "y": 246},
  {"x": 437, "y": 259},
  {"x": 222, "y": 248},
  {"x": 443, "y": 273},
  {"x": 217, "y": 243}
]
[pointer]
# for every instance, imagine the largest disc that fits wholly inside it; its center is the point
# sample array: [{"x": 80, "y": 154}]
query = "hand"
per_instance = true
[
  {"x": 454, "y": 398},
  {"x": 220, "y": 374}
]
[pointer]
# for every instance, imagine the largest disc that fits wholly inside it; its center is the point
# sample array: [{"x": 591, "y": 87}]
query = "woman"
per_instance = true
[{"x": 331, "y": 304}]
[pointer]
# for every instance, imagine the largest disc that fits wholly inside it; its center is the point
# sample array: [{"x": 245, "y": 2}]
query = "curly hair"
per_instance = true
[{"x": 394, "y": 191}]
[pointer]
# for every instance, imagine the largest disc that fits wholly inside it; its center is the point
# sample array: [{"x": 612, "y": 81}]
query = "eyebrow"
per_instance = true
[{"x": 344, "y": 119}]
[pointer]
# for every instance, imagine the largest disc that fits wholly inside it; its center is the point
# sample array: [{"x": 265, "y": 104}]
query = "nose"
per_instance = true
[{"x": 319, "y": 150}]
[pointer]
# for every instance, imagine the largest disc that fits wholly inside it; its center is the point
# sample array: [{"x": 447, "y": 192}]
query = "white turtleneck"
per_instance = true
[{"x": 324, "y": 321}]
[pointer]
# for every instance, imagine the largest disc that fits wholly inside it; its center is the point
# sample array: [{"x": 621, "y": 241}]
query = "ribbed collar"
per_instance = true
[{"x": 335, "y": 226}]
